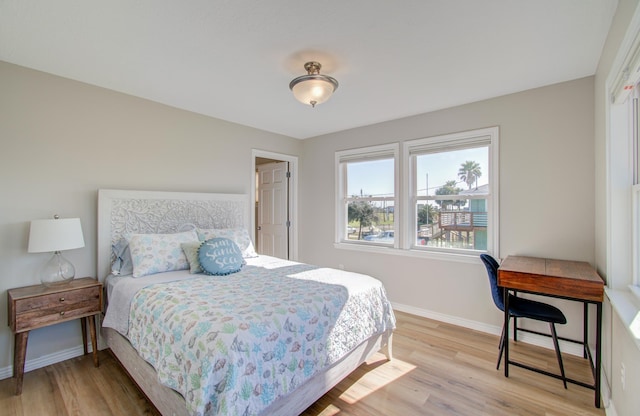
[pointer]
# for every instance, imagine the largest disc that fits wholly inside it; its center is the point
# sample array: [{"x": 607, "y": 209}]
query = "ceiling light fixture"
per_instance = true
[{"x": 313, "y": 88}]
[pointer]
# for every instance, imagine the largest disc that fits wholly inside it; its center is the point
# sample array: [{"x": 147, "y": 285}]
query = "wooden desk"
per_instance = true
[{"x": 572, "y": 280}]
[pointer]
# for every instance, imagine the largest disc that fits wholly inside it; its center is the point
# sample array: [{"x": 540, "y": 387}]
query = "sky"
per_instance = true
[{"x": 376, "y": 177}]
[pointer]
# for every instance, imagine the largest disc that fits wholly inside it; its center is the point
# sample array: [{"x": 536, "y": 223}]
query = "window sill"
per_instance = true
[
  {"x": 627, "y": 307},
  {"x": 376, "y": 249}
]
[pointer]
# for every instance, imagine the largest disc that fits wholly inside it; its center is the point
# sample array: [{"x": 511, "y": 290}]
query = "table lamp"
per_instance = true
[{"x": 56, "y": 235}]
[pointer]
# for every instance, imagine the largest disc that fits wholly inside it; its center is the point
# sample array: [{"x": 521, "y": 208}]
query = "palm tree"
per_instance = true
[
  {"x": 449, "y": 188},
  {"x": 362, "y": 212},
  {"x": 469, "y": 172}
]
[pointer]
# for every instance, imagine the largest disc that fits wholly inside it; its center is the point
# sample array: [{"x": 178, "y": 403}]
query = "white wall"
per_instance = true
[
  {"x": 61, "y": 141},
  {"x": 546, "y": 197}
]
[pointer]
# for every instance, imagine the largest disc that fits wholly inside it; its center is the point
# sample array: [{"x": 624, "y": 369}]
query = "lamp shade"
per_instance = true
[{"x": 55, "y": 235}]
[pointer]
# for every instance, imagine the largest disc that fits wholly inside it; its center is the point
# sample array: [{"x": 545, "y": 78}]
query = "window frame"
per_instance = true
[
  {"x": 391, "y": 151},
  {"x": 488, "y": 137},
  {"x": 405, "y": 202},
  {"x": 622, "y": 196},
  {"x": 634, "y": 171},
  {"x": 622, "y": 144}
]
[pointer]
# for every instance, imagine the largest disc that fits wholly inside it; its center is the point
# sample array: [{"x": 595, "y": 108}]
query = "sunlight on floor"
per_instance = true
[
  {"x": 375, "y": 379},
  {"x": 330, "y": 410}
]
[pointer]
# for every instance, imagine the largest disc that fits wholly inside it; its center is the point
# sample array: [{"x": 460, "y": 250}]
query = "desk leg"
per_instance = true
[
  {"x": 94, "y": 338},
  {"x": 506, "y": 331},
  {"x": 19, "y": 354},
  {"x": 515, "y": 323},
  {"x": 585, "y": 330},
  {"x": 598, "y": 351}
]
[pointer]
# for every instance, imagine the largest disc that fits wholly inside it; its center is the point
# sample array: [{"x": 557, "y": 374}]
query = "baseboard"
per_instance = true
[
  {"x": 533, "y": 339},
  {"x": 610, "y": 410},
  {"x": 45, "y": 360},
  {"x": 605, "y": 395}
]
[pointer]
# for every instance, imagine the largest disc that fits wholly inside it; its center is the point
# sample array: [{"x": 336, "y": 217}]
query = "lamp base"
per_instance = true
[{"x": 58, "y": 271}]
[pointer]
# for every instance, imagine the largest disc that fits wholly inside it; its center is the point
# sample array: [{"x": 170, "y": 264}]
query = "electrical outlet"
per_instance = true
[
  {"x": 341, "y": 266},
  {"x": 623, "y": 375}
]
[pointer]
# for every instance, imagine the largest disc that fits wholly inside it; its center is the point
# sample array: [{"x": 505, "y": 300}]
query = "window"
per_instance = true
[
  {"x": 367, "y": 195},
  {"x": 623, "y": 181},
  {"x": 453, "y": 191},
  {"x": 634, "y": 145},
  {"x": 623, "y": 166},
  {"x": 445, "y": 199}
]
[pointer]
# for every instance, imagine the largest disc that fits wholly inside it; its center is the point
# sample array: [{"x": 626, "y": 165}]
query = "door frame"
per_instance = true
[{"x": 293, "y": 196}]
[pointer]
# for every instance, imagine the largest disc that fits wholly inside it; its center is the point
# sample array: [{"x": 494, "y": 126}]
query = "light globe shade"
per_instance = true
[
  {"x": 313, "y": 90},
  {"x": 54, "y": 236}
]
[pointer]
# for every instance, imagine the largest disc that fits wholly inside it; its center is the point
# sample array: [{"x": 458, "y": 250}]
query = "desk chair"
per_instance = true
[{"x": 524, "y": 308}]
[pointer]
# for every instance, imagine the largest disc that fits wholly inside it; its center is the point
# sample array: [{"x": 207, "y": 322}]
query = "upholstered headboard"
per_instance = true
[{"x": 122, "y": 212}]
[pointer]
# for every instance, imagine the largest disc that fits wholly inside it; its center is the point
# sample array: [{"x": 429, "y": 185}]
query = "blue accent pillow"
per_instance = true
[
  {"x": 220, "y": 256},
  {"x": 122, "y": 263}
]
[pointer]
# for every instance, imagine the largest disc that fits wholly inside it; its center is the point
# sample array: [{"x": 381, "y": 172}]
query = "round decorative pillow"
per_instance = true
[{"x": 220, "y": 257}]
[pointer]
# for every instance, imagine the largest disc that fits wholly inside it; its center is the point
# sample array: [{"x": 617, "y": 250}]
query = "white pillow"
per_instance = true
[
  {"x": 157, "y": 253},
  {"x": 240, "y": 236}
]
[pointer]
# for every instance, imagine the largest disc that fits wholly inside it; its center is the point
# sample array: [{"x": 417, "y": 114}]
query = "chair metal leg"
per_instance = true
[
  {"x": 500, "y": 355},
  {"x": 501, "y": 346},
  {"x": 557, "y": 346}
]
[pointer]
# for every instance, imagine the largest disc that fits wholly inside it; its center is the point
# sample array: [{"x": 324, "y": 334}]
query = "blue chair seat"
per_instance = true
[{"x": 527, "y": 308}]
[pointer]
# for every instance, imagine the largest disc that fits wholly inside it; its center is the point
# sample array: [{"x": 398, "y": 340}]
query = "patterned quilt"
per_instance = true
[{"x": 231, "y": 345}]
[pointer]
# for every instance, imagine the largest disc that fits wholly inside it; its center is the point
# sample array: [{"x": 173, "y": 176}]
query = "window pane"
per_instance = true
[
  {"x": 460, "y": 229},
  {"x": 370, "y": 209},
  {"x": 370, "y": 178},
  {"x": 371, "y": 221},
  {"x": 436, "y": 171},
  {"x": 460, "y": 222}
]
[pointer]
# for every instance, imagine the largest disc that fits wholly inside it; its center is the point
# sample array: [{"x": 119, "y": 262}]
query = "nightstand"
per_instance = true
[{"x": 38, "y": 306}]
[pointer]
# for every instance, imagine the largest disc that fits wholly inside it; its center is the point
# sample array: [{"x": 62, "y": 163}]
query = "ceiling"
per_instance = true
[{"x": 234, "y": 59}]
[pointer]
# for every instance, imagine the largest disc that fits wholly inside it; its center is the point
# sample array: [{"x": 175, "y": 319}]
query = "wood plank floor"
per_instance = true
[{"x": 438, "y": 369}]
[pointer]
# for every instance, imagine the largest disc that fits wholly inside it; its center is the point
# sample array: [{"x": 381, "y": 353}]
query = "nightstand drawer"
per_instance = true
[
  {"x": 69, "y": 297},
  {"x": 37, "y": 311}
]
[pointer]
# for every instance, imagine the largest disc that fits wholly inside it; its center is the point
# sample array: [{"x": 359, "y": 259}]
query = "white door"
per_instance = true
[{"x": 273, "y": 230}]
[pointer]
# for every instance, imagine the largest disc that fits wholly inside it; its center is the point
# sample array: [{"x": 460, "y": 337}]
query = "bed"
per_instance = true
[{"x": 270, "y": 337}]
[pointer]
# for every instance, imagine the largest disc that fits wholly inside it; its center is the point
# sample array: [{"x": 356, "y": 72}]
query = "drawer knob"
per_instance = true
[
  {"x": 62, "y": 299},
  {"x": 62, "y": 313}
]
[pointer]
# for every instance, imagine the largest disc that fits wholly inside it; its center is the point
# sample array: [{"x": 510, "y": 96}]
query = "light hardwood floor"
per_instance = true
[{"x": 438, "y": 369}]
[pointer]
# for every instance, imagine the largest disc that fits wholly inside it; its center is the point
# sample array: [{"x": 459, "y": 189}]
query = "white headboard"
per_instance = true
[{"x": 123, "y": 212}]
